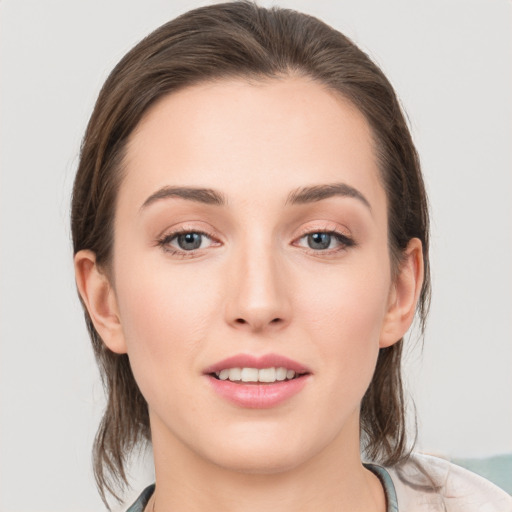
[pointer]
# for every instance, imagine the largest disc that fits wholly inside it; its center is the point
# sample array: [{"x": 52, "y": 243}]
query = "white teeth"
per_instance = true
[
  {"x": 255, "y": 374},
  {"x": 235, "y": 374},
  {"x": 267, "y": 375},
  {"x": 249, "y": 375},
  {"x": 281, "y": 373}
]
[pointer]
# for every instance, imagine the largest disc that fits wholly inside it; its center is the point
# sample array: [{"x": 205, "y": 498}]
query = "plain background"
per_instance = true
[{"x": 451, "y": 64}]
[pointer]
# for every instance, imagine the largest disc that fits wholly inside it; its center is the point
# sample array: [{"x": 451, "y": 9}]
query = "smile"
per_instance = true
[
  {"x": 266, "y": 375},
  {"x": 257, "y": 382}
]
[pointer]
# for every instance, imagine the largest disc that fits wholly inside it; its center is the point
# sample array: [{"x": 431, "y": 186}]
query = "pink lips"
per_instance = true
[
  {"x": 258, "y": 395},
  {"x": 266, "y": 361}
]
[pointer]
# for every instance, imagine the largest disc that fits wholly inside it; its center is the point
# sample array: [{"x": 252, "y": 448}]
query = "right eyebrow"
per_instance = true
[{"x": 197, "y": 194}]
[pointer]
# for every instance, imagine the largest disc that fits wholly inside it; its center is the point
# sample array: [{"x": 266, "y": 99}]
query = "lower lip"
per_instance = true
[{"x": 258, "y": 396}]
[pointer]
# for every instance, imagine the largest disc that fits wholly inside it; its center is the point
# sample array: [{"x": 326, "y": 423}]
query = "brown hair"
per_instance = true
[{"x": 240, "y": 39}]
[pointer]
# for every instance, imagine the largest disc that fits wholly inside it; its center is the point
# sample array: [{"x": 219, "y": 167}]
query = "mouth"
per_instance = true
[
  {"x": 249, "y": 375},
  {"x": 257, "y": 382}
]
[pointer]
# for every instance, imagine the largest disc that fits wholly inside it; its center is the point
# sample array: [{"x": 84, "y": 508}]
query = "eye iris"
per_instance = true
[
  {"x": 189, "y": 241},
  {"x": 319, "y": 240}
]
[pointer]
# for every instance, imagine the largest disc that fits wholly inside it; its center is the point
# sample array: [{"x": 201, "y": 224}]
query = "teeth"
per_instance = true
[
  {"x": 255, "y": 375},
  {"x": 249, "y": 375},
  {"x": 234, "y": 373},
  {"x": 267, "y": 375},
  {"x": 281, "y": 373}
]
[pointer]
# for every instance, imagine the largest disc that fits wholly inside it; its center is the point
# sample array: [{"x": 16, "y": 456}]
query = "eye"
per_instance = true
[
  {"x": 189, "y": 241},
  {"x": 320, "y": 241},
  {"x": 325, "y": 240},
  {"x": 185, "y": 241}
]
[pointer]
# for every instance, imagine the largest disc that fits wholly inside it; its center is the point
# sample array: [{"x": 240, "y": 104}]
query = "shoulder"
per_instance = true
[{"x": 425, "y": 483}]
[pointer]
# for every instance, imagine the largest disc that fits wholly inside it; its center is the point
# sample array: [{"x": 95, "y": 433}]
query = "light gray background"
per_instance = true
[{"x": 450, "y": 62}]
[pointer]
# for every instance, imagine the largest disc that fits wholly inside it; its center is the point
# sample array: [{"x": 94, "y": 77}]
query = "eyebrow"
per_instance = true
[
  {"x": 316, "y": 193},
  {"x": 200, "y": 195},
  {"x": 303, "y": 195}
]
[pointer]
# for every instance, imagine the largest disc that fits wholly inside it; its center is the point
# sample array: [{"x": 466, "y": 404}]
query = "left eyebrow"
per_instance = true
[{"x": 316, "y": 193}]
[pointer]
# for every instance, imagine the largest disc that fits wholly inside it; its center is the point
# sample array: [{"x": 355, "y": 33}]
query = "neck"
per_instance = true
[{"x": 333, "y": 480}]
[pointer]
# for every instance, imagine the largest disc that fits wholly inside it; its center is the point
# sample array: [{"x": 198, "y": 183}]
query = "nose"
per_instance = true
[{"x": 259, "y": 292}]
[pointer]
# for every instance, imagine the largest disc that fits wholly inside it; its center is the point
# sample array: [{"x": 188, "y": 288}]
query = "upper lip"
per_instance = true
[{"x": 259, "y": 362}]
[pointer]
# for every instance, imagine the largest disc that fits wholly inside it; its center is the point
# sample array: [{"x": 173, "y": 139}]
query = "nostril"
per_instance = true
[{"x": 257, "y": 323}]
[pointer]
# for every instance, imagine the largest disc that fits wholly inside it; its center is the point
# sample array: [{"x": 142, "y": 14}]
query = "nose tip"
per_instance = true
[{"x": 259, "y": 295}]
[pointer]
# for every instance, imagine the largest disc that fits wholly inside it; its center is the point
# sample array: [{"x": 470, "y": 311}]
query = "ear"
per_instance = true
[
  {"x": 404, "y": 294},
  {"x": 100, "y": 300}
]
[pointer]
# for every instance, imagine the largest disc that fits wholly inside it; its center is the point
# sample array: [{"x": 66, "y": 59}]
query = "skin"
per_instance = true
[{"x": 255, "y": 286}]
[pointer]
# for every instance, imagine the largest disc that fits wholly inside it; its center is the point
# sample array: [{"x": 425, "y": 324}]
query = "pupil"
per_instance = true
[
  {"x": 319, "y": 240},
  {"x": 189, "y": 241}
]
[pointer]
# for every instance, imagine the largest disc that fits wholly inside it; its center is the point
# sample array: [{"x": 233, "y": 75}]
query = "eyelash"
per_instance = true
[
  {"x": 164, "y": 242},
  {"x": 345, "y": 242}
]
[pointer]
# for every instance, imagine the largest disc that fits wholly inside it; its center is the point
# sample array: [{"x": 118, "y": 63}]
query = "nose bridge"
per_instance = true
[{"x": 259, "y": 296}]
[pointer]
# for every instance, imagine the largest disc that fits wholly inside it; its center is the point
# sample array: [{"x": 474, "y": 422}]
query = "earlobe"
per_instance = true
[
  {"x": 404, "y": 295},
  {"x": 99, "y": 299}
]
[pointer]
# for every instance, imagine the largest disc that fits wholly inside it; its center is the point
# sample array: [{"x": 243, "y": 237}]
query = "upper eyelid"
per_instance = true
[
  {"x": 179, "y": 231},
  {"x": 342, "y": 238},
  {"x": 321, "y": 230},
  {"x": 326, "y": 227},
  {"x": 174, "y": 231}
]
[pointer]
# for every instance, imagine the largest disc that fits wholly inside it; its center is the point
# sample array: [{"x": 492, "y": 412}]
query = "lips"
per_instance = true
[
  {"x": 261, "y": 362},
  {"x": 257, "y": 382}
]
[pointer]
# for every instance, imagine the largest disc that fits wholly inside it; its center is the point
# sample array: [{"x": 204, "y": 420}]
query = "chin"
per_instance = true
[
  {"x": 260, "y": 453},
  {"x": 261, "y": 463}
]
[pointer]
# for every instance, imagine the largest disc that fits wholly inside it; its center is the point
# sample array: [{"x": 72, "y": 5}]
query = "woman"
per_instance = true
[{"x": 250, "y": 231}]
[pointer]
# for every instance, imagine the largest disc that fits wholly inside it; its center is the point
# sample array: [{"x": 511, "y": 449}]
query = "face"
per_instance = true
[{"x": 251, "y": 243}]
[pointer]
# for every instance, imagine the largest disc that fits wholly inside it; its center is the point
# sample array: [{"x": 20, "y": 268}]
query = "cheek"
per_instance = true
[
  {"x": 166, "y": 316},
  {"x": 344, "y": 317},
  {"x": 350, "y": 299}
]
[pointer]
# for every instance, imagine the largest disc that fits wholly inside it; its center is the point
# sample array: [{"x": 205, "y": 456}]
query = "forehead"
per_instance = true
[{"x": 250, "y": 139}]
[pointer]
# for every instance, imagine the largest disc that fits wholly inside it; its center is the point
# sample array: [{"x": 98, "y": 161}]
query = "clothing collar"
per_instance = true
[{"x": 379, "y": 471}]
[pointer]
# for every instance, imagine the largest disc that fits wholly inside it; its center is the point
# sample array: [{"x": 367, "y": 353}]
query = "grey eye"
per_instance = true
[
  {"x": 189, "y": 241},
  {"x": 319, "y": 241}
]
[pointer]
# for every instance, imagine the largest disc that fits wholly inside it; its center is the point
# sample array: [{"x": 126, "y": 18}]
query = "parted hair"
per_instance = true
[{"x": 242, "y": 40}]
